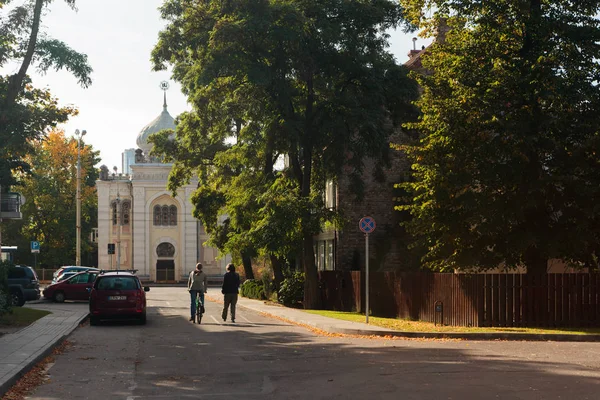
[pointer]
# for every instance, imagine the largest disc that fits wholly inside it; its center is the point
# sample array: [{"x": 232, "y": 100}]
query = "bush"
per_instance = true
[
  {"x": 253, "y": 289},
  {"x": 268, "y": 284},
  {"x": 291, "y": 292}
]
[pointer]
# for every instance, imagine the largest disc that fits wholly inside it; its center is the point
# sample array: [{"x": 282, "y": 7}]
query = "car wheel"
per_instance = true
[
  {"x": 59, "y": 297},
  {"x": 94, "y": 321},
  {"x": 142, "y": 320},
  {"x": 16, "y": 298}
]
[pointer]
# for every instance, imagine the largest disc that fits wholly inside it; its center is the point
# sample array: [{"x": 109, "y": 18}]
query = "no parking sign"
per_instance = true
[{"x": 367, "y": 224}]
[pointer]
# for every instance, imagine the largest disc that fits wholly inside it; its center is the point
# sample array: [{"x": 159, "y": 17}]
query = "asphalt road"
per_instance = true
[{"x": 264, "y": 358}]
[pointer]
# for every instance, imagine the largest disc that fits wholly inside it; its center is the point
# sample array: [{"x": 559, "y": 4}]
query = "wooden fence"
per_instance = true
[{"x": 507, "y": 300}]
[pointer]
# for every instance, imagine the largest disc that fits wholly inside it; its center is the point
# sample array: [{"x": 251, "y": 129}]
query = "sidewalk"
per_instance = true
[
  {"x": 21, "y": 350},
  {"x": 355, "y": 328},
  {"x": 316, "y": 321}
]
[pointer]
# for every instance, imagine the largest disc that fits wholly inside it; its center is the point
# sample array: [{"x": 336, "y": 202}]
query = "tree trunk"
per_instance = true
[
  {"x": 16, "y": 81},
  {"x": 277, "y": 264},
  {"x": 247, "y": 262},
  {"x": 312, "y": 293}
]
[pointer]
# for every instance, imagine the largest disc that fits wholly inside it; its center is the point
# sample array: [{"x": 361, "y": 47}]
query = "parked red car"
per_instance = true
[
  {"x": 117, "y": 294},
  {"x": 73, "y": 288}
]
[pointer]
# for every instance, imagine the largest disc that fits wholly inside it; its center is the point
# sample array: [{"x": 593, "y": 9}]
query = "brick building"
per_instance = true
[{"x": 344, "y": 248}]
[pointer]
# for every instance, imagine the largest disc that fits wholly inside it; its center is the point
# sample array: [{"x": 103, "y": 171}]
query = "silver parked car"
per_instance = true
[{"x": 60, "y": 274}]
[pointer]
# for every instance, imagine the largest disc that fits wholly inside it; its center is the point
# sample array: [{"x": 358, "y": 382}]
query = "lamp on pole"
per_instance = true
[{"x": 79, "y": 136}]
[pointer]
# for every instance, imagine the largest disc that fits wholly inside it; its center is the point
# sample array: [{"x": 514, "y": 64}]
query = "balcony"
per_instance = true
[{"x": 10, "y": 206}]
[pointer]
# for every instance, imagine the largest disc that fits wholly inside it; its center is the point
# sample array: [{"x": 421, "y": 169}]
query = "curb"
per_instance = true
[
  {"x": 9, "y": 383},
  {"x": 533, "y": 337}
]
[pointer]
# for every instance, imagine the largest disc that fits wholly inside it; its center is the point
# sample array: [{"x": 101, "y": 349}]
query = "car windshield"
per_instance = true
[
  {"x": 117, "y": 283},
  {"x": 64, "y": 276}
]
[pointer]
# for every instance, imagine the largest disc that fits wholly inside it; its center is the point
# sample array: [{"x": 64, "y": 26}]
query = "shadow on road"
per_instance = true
[
  {"x": 171, "y": 357},
  {"x": 253, "y": 360}
]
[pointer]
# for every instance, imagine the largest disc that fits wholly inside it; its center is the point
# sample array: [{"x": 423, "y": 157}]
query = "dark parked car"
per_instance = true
[
  {"x": 23, "y": 284},
  {"x": 73, "y": 288},
  {"x": 117, "y": 295}
]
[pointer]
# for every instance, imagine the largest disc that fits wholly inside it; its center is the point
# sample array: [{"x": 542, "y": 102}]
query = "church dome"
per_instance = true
[{"x": 163, "y": 121}]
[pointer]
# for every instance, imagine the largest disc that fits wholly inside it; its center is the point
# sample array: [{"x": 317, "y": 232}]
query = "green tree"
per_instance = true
[
  {"x": 310, "y": 80},
  {"x": 506, "y": 169},
  {"x": 26, "y": 113},
  {"x": 50, "y": 191}
]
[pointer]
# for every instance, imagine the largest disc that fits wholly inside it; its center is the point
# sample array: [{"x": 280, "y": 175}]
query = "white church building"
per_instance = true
[{"x": 152, "y": 232}]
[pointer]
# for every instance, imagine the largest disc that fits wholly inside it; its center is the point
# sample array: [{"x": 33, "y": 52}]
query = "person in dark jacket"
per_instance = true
[{"x": 231, "y": 284}]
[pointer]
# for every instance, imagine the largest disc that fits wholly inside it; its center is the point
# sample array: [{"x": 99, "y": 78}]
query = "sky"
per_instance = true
[{"x": 118, "y": 37}]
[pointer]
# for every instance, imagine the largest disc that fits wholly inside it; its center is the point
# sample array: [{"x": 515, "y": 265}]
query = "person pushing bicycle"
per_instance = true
[{"x": 197, "y": 285}]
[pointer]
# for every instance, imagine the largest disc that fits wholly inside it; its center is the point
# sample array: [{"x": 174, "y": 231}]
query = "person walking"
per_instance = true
[
  {"x": 231, "y": 284},
  {"x": 197, "y": 283}
]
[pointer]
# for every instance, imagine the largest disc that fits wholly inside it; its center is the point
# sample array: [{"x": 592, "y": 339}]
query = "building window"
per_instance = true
[
  {"x": 125, "y": 212},
  {"x": 330, "y": 195},
  {"x": 156, "y": 215},
  {"x": 113, "y": 207},
  {"x": 329, "y": 255},
  {"x": 322, "y": 256},
  {"x": 165, "y": 250},
  {"x": 325, "y": 255},
  {"x": 172, "y": 215},
  {"x": 165, "y": 215}
]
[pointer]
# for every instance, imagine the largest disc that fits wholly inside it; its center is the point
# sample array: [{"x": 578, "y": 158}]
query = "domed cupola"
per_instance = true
[{"x": 163, "y": 121}]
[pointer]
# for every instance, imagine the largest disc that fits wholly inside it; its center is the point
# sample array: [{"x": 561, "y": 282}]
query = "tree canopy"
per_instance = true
[
  {"x": 27, "y": 113},
  {"x": 506, "y": 170},
  {"x": 50, "y": 193},
  {"x": 309, "y": 81}
]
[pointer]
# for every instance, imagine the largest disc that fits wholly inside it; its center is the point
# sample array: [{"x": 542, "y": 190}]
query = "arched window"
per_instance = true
[
  {"x": 113, "y": 207},
  {"x": 156, "y": 215},
  {"x": 165, "y": 216},
  {"x": 165, "y": 250},
  {"x": 125, "y": 212},
  {"x": 172, "y": 215}
]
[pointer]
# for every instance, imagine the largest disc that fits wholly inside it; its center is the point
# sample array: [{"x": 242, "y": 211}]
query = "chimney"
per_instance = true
[{"x": 414, "y": 50}]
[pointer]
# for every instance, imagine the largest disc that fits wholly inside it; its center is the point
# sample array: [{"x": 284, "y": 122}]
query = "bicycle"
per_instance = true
[{"x": 199, "y": 308}]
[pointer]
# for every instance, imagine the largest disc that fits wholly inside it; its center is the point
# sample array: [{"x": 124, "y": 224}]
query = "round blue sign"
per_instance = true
[{"x": 367, "y": 224}]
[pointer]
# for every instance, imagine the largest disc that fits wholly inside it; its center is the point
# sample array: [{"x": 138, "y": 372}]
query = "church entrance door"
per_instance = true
[{"x": 165, "y": 271}]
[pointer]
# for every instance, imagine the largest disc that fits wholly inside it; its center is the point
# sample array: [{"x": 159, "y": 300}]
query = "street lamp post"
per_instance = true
[
  {"x": 79, "y": 136},
  {"x": 118, "y": 231}
]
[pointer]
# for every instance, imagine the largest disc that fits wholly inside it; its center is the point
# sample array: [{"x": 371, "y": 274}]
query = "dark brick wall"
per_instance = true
[{"x": 387, "y": 245}]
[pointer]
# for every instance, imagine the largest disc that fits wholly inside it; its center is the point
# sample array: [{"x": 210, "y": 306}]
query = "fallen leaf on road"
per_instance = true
[{"x": 35, "y": 376}]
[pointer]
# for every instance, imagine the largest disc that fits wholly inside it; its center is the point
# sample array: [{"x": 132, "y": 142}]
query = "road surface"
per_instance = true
[{"x": 265, "y": 358}]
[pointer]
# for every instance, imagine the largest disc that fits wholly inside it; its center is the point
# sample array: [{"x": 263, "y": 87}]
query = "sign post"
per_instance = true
[
  {"x": 111, "y": 251},
  {"x": 35, "y": 249},
  {"x": 367, "y": 225}
]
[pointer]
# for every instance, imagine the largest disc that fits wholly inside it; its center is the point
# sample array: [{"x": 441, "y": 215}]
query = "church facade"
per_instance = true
[{"x": 146, "y": 228}]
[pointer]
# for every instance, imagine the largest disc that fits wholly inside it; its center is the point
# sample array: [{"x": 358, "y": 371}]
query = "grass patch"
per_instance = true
[
  {"x": 419, "y": 326},
  {"x": 21, "y": 316}
]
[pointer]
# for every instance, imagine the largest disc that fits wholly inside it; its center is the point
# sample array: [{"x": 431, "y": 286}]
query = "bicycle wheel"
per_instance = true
[{"x": 198, "y": 310}]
